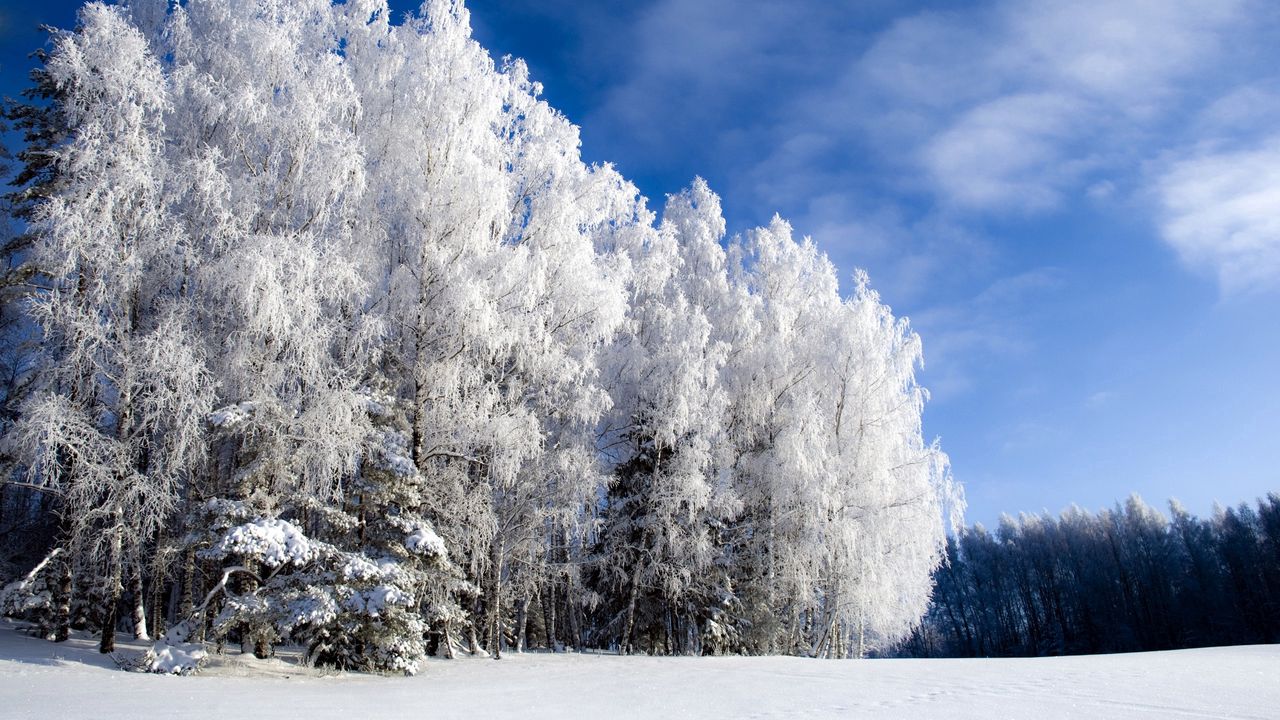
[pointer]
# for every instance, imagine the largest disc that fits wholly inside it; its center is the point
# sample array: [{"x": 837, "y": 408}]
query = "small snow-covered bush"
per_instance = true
[
  {"x": 348, "y": 609},
  {"x": 173, "y": 655},
  {"x": 32, "y": 597}
]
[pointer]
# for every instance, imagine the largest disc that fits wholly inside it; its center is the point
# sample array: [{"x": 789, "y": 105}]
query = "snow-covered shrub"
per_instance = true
[
  {"x": 365, "y": 622},
  {"x": 26, "y": 595},
  {"x": 172, "y": 654},
  {"x": 722, "y": 625},
  {"x": 31, "y": 597},
  {"x": 350, "y": 610}
]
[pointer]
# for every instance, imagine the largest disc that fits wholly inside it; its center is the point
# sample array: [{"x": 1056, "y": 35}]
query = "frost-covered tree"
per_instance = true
[
  {"x": 274, "y": 186},
  {"x": 495, "y": 301},
  {"x": 116, "y": 425},
  {"x": 776, "y": 429},
  {"x": 842, "y": 499},
  {"x": 309, "y": 273},
  {"x": 658, "y": 542},
  {"x": 886, "y": 485}
]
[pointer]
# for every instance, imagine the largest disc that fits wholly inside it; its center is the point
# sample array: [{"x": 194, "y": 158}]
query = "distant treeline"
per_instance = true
[{"x": 1121, "y": 580}]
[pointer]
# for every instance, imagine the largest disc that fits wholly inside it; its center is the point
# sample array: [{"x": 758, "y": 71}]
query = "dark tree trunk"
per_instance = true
[
  {"x": 62, "y": 603},
  {"x": 187, "y": 602},
  {"x": 495, "y": 602},
  {"x": 628, "y": 631},
  {"x": 522, "y": 623},
  {"x": 549, "y": 614},
  {"x": 448, "y": 639},
  {"x": 158, "y": 603},
  {"x": 574, "y": 611},
  {"x": 108, "y": 642},
  {"x": 473, "y": 644}
]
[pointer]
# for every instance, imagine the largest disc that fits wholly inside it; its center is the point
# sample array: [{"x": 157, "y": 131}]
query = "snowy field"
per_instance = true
[{"x": 43, "y": 680}]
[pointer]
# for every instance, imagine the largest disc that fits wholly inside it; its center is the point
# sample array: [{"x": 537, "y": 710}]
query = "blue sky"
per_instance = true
[{"x": 1077, "y": 204}]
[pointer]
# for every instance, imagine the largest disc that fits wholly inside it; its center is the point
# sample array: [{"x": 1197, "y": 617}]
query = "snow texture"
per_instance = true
[
  {"x": 175, "y": 659},
  {"x": 393, "y": 455},
  {"x": 424, "y": 541},
  {"x": 272, "y": 541},
  {"x": 232, "y": 415},
  {"x": 1234, "y": 682},
  {"x": 172, "y": 654},
  {"x": 374, "y": 601}
]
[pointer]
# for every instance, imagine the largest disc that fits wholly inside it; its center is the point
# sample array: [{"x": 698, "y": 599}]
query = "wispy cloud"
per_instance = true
[
  {"x": 893, "y": 138},
  {"x": 1008, "y": 153},
  {"x": 965, "y": 338},
  {"x": 858, "y": 123},
  {"x": 1099, "y": 399},
  {"x": 1221, "y": 212},
  {"x": 1013, "y": 105}
]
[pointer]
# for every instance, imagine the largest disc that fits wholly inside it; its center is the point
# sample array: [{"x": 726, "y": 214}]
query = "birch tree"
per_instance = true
[
  {"x": 665, "y": 425},
  {"x": 117, "y": 424},
  {"x": 308, "y": 265}
]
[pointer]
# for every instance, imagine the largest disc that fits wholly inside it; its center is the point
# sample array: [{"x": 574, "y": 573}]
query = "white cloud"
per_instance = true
[
  {"x": 1007, "y": 153},
  {"x": 1099, "y": 399},
  {"x": 931, "y": 60},
  {"x": 1221, "y": 211},
  {"x": 1101, "y": 191},
  {"x": 1004, "y": 100},
  {"x": 874, "y": 131},
  {"x": 1242, "y": 112},
  {"x": 1124, "y": 52}
]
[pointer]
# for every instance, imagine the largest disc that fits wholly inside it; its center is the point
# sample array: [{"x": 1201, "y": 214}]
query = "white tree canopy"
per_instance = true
[{"x": 310, "y": 269}]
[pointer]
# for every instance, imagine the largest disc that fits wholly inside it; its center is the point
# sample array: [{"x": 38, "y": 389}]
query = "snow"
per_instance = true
[
  {"x": 172, "y": 653},
  {"x": 40, "y": 679},
  {"x": 179, "y": 659},
  {"x": 232, "y": 415},
  {"x": 273, "y": 541},
  {"x": 374, "y": 602},
  {"x": 424, "y": 541}
]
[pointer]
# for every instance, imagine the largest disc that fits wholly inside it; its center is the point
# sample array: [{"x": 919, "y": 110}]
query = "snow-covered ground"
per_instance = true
[{"x": 39, "y": 679}]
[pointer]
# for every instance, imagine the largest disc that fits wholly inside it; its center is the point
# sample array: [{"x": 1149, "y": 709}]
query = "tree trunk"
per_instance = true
[
  {"x": 250, "y": 635},
  {"x": 626, "y": 646},
  {"x": 495, "y": 602},
  {"x": 139, "y": 607},
  {"x": 549, "y": 614},
  {"x": 114, "y": 588},
  {"x": 448, "y": 639},
  {"x": 522, "y": 622},
  {"x": 62, "y": 604},
  {"x": 158, "y": 601},
  {"x": 108, "y": 641},
  {"x": 668, "y": 641},
  {"x": 862, "y": 636},
  {"x": 187, "y": 603},
  {"x": 574, "y": 611},
  {"x": 171, "y": 606},
  {"x": 473, "y": 644}
]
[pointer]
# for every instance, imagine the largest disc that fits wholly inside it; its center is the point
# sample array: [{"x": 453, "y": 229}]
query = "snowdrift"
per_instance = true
[{"x": 40, "y": 679}]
